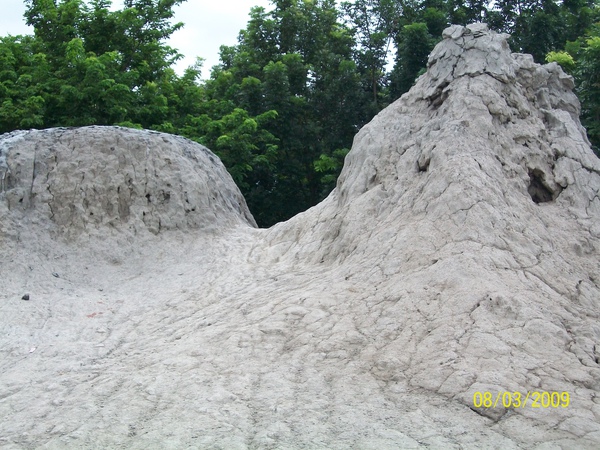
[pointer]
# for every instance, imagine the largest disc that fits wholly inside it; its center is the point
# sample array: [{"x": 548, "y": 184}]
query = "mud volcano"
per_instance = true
[{"x": 457, "y": 256}]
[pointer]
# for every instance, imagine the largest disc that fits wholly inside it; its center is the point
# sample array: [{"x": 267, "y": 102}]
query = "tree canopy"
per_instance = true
[{"x": 283, "y": 105}]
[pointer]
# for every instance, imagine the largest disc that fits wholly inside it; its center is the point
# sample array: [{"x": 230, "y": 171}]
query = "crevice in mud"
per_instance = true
[
  {"x": 495, "y": 414},
  {"x": 438, "y": 98},
  {"x": 423, "y": 165},
  {"x": 538, "y": 189}
]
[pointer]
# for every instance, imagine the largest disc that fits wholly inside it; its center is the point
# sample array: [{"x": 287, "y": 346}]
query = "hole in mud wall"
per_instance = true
[
  {"x": 423, "y": 165},
  {"x": 436, "y": 100},
  {"x": 537, "y": 189}
]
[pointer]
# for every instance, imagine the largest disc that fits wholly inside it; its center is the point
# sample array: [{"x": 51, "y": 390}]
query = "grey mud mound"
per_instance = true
[
  {"x": 80, "y": 179},
  {"x": 457, "y": 256}
]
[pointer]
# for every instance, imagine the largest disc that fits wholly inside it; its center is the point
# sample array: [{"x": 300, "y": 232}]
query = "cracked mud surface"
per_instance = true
[{"x": 164, "y": 319}]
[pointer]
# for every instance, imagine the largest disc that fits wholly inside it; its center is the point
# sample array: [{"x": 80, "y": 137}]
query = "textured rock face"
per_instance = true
[
  {"x": 77, "y": 179},
  {"x": 457, "y": 255}
]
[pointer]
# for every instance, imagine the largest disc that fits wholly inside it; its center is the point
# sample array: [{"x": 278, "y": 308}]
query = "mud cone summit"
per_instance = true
[{"x": 457, "y": 255}]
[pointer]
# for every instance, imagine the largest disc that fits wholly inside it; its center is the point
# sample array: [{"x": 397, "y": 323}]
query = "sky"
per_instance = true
[{"x": 208, "y": 24}]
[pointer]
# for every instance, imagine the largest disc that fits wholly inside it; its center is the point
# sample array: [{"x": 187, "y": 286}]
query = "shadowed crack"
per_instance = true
[{"x": 538, "y": 189}]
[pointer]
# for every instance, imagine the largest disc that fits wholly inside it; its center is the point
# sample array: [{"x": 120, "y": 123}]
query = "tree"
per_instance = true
[
  {"x": 582, "y": 59},
  {"x": 296, "y": 60},
  {"x": 22, "y": 84},
  {"x": 588, "y": 75},
  {"x": 540, "y": 26},
  {"x": 414, "y": 46},
  {"x": 102, "y": 66},
  {"x": 375, "y": 24}
]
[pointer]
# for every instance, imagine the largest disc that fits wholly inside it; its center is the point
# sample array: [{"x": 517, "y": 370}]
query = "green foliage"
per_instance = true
[
  {"x": 297, "y": 61},
  {"x": 565, "y": 60},
  {"x": 582, "y": 60},
  {"x": 88, "y": 65},
  {"x": 22, "y": 84},
  {"x": 541, "y": 26},
  {"x": 242, "y": 143},
  {"x": 587, "y": 75},
  {"x": 414, "y": 46},
  {"x": 329, "y": 167},
  {"x": 375, "y": 25}
]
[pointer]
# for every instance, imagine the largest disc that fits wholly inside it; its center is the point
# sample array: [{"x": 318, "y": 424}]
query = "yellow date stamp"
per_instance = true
[{"x": 533, "y": 399}]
